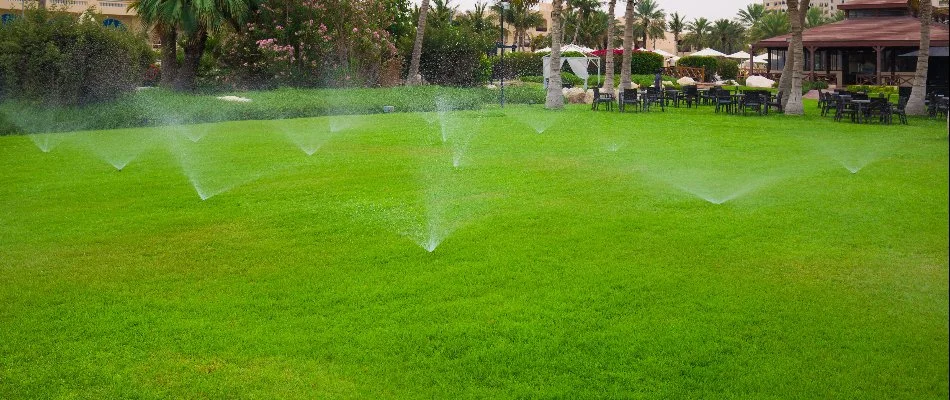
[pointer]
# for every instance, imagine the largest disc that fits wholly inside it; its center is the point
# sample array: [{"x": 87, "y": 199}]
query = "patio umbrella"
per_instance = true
[
  {"x": 740, "y": 55},
  {"x": 934, "y": 52},
  {"x": 760, "y": 59},
  {"x": 707, "y": 52},
  {"x": 663, "y": 53}
]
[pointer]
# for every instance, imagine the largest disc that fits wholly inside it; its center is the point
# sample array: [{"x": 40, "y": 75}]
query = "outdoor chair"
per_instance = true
[
  {"x": 822, "y": 100},
  {"x": 654, "y": 96},
  {"x": 844, "y": 107},
  {"x": 877, "y": 106},
  {"x": 630, "y": 96},
  {"x": 899, "y": 110},
  {"x": 831, "y": 100},
  {"x": 752, "y": 100},
  {"x": 724, "y": 101},
  {"x": 773, "y": 102},
  {"x": 690, "y": 95},
  {"x": 602, "y": 98}
]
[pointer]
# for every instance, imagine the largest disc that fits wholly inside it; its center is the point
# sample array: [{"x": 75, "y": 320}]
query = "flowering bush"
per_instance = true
[{"x": 311, "y": 43}]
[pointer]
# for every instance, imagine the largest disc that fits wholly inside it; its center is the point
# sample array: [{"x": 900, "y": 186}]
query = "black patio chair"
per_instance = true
[
  {"x": 690, "y": 95},
  {"x": 773, "y": 102},
  {"x": 724, "y": 101},
  {"x": 752, "y": 100},
  {"x": 602, "y": 98},
  {"x": 877, "y": 107},
  {"x": 631, "y": 97},
  {"x": 654, "y": 96},
  {"x": 844, "y": 107},
  {"x": 899, "y": 110}
]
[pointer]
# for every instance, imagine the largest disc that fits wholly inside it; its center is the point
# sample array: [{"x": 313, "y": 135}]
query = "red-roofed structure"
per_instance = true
[{"x": 866, "y": 47}]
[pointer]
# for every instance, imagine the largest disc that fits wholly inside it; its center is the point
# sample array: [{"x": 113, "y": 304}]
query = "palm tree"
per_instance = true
[
  {"x": 699, "y": 31},
  {"x": 609, "y": 74},
  {"x": 478, "y": 18},
  {"x": 627, "y": 58},
  {"x": 915, "y": 104},
  {"x": 677, "y": 25},
  {"x": 522, "y": 17},
  {"x": 582, "y": 10},
  {"x": 651, "y": 20},
  {"x": 815, "y": 17},
  {"x": 442, "y": 14},
  {"x": 414, "y": 78},
  {"x": 771, "y": 24},
  {"x": 195, "y": 19},
  {"x": 726, "y": 34},
  {"x": 555, "y": 98},
  {"x": 794, "y": 104},
  {"x": 162, "y": 17},
  {"x": 752, "y": 14},
  {"x": 785, "y": 82}
]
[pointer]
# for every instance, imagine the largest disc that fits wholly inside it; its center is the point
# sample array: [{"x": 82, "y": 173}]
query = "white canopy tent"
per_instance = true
[
  {"x": 740, "y": 55},
  {"x": 568, "y": 48},
  {"x": 707, "y": 52},
  {"x": 578, "y": 67}
]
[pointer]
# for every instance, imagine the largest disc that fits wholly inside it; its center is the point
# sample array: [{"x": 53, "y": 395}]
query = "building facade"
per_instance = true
[
  {"x": 113, "y": 13},
  {"x": 828, "y": 6}
]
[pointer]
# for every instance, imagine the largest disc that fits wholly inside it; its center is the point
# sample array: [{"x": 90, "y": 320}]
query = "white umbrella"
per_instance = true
[
  {"x": 760, "y": 59},
  {"x": 662, "y": 53},
  {"x": 566, "y": 48},
  {"x": 544, "y": 50},
  {"x": 740, "y": 55},
  {"x": 707, "y": 52}
]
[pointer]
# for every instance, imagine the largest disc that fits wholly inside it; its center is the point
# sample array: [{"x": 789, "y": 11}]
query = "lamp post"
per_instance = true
[{"x": 501, "y": 45}]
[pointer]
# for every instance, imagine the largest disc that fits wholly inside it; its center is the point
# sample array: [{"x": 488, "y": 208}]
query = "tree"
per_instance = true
[
  {"x": 677, "y": 25},
  {"x": 771, "y": 24},
  {"x": 650, "y": 19},
  {"x": 555, "y": 98},
  {"x": 627, "y": 58},
  {"x": 796, "y": 9},
  {"x": 699, "y": 31},
  {"x": 195, "y": 20},
  {"x": 785, "y": 82},
  {"x": 727, "y": 35},
  {"x": 522, "y": 16},
  {"x": 609, "y": 74},
  {"x": 915, "y": 104},
  {"x": 478, "y": 19},
  {"x": 815, "y": 17},
  {"x": 752, "y": 14},
  {"x": 414, "y": 78},
  {"x": 582, "y": 10}
]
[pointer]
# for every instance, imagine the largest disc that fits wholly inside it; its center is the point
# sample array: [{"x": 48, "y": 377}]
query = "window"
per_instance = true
[{"x": 112, "y": 23}]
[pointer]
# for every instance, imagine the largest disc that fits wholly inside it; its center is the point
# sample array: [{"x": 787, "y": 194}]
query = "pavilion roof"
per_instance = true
[
  {"x": 873, "y": 4},
  {"x": 897, "y": 31}
]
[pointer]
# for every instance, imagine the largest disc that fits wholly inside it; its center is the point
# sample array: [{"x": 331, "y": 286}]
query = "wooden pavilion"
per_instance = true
[{"x": 875, "y": 44}]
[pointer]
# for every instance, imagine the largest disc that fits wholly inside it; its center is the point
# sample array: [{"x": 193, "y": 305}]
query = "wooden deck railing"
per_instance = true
[{"x": 698, "y": 74}]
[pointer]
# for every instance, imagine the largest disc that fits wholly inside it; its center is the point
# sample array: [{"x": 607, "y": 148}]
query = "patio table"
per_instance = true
[{"x": 859, "y": 109}]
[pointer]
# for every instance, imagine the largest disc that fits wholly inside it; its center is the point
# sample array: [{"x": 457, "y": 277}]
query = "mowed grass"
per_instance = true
[{"x": 587, "y": 261}]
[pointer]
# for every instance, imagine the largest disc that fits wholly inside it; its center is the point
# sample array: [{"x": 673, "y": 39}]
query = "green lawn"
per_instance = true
[{"x": 664, "y": 255}]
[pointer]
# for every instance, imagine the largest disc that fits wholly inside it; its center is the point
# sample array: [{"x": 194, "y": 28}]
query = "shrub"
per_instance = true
[
  {"x": 53, "y": 58},
  {"x": 452, "y": 56},
  {"x": 709, "y": 63},
  {"x": 727, "y": 69},
  {"x": 519, "y": 64},
  {"x": 874, "y": 89},
  {"x": 641, "y": 62}
]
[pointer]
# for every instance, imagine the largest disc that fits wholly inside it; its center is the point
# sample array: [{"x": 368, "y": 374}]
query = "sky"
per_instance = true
[{"x": 711, "y": 9}]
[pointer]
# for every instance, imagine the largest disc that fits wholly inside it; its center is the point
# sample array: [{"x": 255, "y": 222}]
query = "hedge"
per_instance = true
[
  {"x": 727, "y": 69},
  {"x": 709, "y": 63}
]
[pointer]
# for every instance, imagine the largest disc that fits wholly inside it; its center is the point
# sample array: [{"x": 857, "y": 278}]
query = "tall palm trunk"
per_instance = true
[
  {"x": 414, "y": 78},
  {"x": 609, "y": 75},
  {"x": 169, "y": 37},
  {"x": 794, "y": 106},
  {"x": 194, "y": 47},
  {"x": 785, "y": 81},
  {"x": 915, "y": 104},
  {"x": 627, "y": 46},
  {"x": 555, "y": 98}
]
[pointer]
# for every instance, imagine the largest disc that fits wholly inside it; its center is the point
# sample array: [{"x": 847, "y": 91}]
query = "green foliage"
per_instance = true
[
  {"x": 161, "y": 107},
  {"x": 709, "y": 63},
  {"x": 726, "y": 68},
  {"x": 519, "y": 64},
  {"x": 451, "y": 56},
  {"x": 808, "y": 86},
  {"x": 874, "y": 89},
  {"x": 51, "y": 57}
]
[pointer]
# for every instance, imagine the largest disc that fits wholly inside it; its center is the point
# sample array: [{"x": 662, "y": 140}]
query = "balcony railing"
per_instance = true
[{"x": 113, "y": 4}]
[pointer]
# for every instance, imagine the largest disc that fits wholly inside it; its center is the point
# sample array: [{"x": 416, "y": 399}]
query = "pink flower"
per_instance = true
[{"x": 355, "y": 30}]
